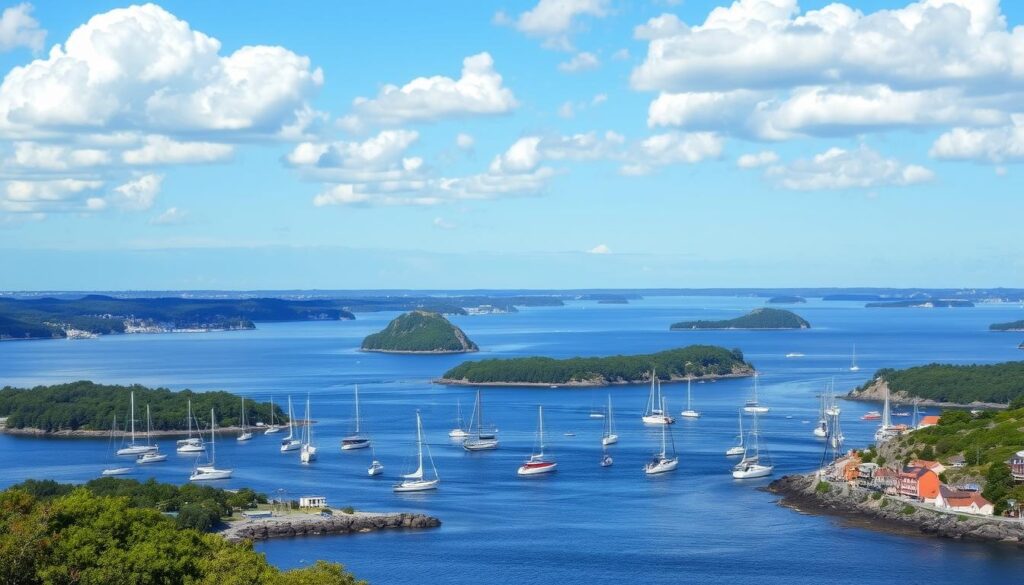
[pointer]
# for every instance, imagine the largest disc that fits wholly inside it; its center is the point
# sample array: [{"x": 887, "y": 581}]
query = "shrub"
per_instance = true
[
  {"x": 823, "y": 487},
  {"x": 876, "y": 496},
  {"x": 908, "y": 510},
  {"x": 348, "y": 510}
]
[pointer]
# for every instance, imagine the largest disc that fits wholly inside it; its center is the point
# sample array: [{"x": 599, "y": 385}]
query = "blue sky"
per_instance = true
[{"x": 559, "y": 143}]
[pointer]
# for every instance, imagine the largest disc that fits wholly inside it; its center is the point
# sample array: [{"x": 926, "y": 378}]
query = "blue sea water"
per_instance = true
[{"x": 584, "y": 523}]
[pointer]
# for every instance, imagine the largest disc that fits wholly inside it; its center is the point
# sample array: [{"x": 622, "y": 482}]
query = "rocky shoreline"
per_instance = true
[
  {"x": 887, "y": 513},
  {"x": 580, "y": 384},
  {"x": 427, "y": 352},
  {"x": 292, "y": 525},
  {"x": 875, "y": 392},
  {"x": 91, "y": 434}
]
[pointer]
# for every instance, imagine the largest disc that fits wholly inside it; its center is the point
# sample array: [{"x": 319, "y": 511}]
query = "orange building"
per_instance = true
[
  {"x": 928, "y": 421},
  {"x": 919, "y": 483}
]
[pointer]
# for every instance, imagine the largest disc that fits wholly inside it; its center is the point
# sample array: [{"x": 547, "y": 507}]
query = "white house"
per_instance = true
[
  {"x": 964, "y": 502},
  {"x": 312, "y": 502}
]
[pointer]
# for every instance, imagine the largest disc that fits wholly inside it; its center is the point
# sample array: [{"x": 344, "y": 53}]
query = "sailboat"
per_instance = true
[
  {"x": 307, "y": 453},
  {"x": 853, "y": 361},
  {"x": 654, "y": 413},
  {"x": 835, "y": 437},
  {"x": 459, "y": 432},
  {"x": 753, "y": 406},
  {"x": 665, "y": 460},
  {"x": 538, "y": 463},
  {"x": 246, "y": 435},
  {"x": 754, "y": 463},
  {"x": 689, "y": 412},
  {"x": 134, "y": 448},
  {"x": 117, "y": 470},
  {"x": 415, "y": 481},
  {"x": 210, "y": 471},
  {"x": 738, "y": 449},
  {"x": 273, "y": 428},
  {"x": 355, "y": 440},
  {"x": 821, "y": 430},
  {"x": 886, "y": 430},
  {"x": 376, "y": 467},
  {"x": 831, "y": 408},
  {"x": 154, "y": 456},
  {"x": 480, "y": 440},
  {"x": 609, "y": 436},
  {"x": 191, "y": 444},
  {"x": 290, "y": 443}
]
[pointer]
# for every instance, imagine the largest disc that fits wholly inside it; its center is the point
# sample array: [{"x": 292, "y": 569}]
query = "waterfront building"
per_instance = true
[
  {"x": 933, "y": 465},
  {"x": 928, "y": 421},
  {"x": 312, "y": 502},
  {"x": 1017, "y": 466},
  {"x": 919, "y": 483},
  {"x": 967, "y": 502}
]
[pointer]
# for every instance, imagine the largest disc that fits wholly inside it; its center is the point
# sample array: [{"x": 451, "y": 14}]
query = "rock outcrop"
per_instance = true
[
  {"x": 799, "y": 492},
  {"x": 338, "y": 523}
]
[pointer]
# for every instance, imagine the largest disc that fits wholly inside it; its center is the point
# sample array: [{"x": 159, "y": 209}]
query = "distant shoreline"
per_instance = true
[
  {"x": 90, "y": 434},
  {"x": 420, "y": 352},
  {"x": 578, "y": 383}
]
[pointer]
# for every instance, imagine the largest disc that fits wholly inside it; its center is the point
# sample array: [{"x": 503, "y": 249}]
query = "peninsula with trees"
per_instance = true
[
  {"x": 991, "y": 385},
  {"x": 786, "y": 300},
  {"x": 701, "y": 362},
  {"x": 1011, "y": 326},
  {"x": 85, "y": 408},
  {"x": 763, "y": 318},
  {"x": 419, "y": 332}
]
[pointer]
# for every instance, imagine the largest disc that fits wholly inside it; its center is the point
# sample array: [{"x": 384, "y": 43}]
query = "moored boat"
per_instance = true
[
  {"x": 210, "y": 471},
  {"x": 417, "y": 481},
  {"x": 538, "y": 463},
  {"x": 755, "y": 462}
]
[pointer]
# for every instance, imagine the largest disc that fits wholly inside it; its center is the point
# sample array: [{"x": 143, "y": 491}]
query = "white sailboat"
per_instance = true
[
  {"x": 835, "y": 436},
  {"x": 273, "y": 428},
  {"x": 246, "y": 435},
  {"x": 831, "y": 408},
  {"x": 481, "y": 439},
  {"x": 290, "y": 443},
  {"x": 134, "y": 448},
  {"x": 689, "y": 412},
  {"x": 459, "y": 432},
  {"x": 821, "y": 429},
  {"x": 307, "y": 453},
  {"x": 376, "y": 467},
  {"x": 355, "y": 440},
  {"x": 191, "y": 444},
  {"x": 654, "y": 412},
  {"x": 853, "y": 361},
  {"x": 666, "y": 460},
  {"x": 609, "y": 437},
  {"x": 538, "y": 463},
  {"x": 416, "y": 481},
  {"x": 886, "y": 430},
  {"x": 154, "y": 456},
  {"x": 739, "y": 448},
  {"x": 754, "y": 462},
  {"x": 116, "y": 469},
  {"x": 753, "y": 406},
  {"x": 209, "y": 471}
]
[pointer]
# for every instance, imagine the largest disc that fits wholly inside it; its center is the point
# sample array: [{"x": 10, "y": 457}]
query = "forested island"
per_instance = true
[
  {"x": 698, "y": 361},
  {"x": 757, "y": 319},
  {"x": 84, "y": 408},
  {"x": 786, "y": 300},
  {"x": 103, "y": 315},
  {"x": 117, "y": 531},
  {"x": 921, "y": 303},
  {"x": 990, "y": 384},
  {"x": 419, "y": 332},
  {"x": 1011, "y": 326}
]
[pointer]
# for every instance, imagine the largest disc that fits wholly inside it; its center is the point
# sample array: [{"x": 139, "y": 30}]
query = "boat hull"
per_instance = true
[
  {"x": 290, "y": 445},
  {"x": 661, "y": 466},
  {"x": 375, "y": 469},
  {"x": 458, "y": 434},
  {"x": 116, "y": 471},
  {"x": 209, "y": 474},
  {"x": 421, "y": 485},
  {"x": 191, "y": 449},
  {"x": 480, "y": 445},
  {"x": 657, "y": 419},
  {"x": 752, "y": 471},
  {"x": 610, "y": 440},
  {"x": 136, "y": 450},
  {"x": 353, "y": 443},
  {"x": 606, "y": 461},
  {"x": 150, "y": 458},
  {"x": 735, "y": 452},
  {"x": 244, "y": 437},
  {"x": 689, "y": 414},
  {"x": 308, "y": 454},
  {"x": 537, "y": 468}
]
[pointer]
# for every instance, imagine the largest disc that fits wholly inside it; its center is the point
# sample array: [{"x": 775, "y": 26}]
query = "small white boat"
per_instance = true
[
  {"x": 689, "y": 412},
  {"x": 154, "y": 457},
  {"x": 537, "y": 463},
  {"x": 459, "y": 432},
  {"x": 307, "y": 452},
  {"x": 853, "y": 361},
  {"x": 416, "y": 481},
  {"x": 191, "y": 444},
  {"x": 116, "y": 471},
  {"x": 754, "y": 463},
  {"x": 664, "y": 461},
  {"x": 481, "y": 439},
  {"x": 753, "y": 406},
  {"x": 376, "y": 468},
  {"x": 134, "y": 448},
  {"x": 654, "y": 413},
  {"x": 821, "y": 429},
  {"x": 290, "y": 443},
  {"x": 794, "y": 354},
  {"x": 831, "y": 408},
  {"x": 209, "y": 471},
  {"x": 738, "y": 449},
  {"x": 355, "y": 440},
  {"x": 245, "y": 435},
  {"x": 606, "y": 460},
  {"x": 569, "y": 434},
  {"x": 609, "y": 437},
  {"x": 272, "y": 428}
]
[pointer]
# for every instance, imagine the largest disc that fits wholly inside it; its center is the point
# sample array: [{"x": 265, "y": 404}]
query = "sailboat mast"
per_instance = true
[
  {"x": 190, "y": 418},
  {"x": 357, "y": 409},
  {"x": 688, "y": 381},
  {"x": 213, "y": 438},
  {"x": 149, "y": 425},
  {"x": 419, "y": 444},
  {"x": 540, "y": 427},
  {"x": 133, "y": 418}
]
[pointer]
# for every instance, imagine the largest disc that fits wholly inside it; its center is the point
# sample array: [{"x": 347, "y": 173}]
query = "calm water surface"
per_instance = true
[{"x": 583, "y": 524}]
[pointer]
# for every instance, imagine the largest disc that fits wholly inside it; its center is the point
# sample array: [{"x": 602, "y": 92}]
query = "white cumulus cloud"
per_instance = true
[
  {"x": 600, "y": 249},
  {"x": 838, "y": 168},
  {"x": 583, "y": 61},
  {"x": 992, "y": 145},
  {"x": 554, "y": 20},
  {"x": 161, "y": 150},
  {"x": 757, "y": 159},
  {"x": 138, "y": 194},
  {"x": 19, "y": 29}
]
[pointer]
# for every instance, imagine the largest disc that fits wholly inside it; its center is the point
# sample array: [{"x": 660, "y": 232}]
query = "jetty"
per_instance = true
[{"x": 316, "y": 523}]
